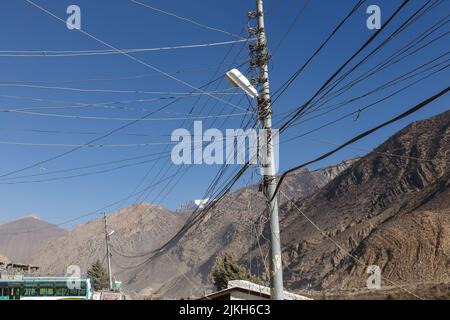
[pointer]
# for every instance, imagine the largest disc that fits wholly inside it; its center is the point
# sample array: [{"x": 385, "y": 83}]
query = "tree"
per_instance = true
[
  {"x": 227, "y": 269},
  {"x": 98, "y": 275}
]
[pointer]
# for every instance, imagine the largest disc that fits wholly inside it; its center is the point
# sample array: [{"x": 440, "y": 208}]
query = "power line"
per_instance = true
[
  {"x": 38, "y": 163},
  {"x": 364, "y": 134},
  {"x": 131, "y": 77},
  {"x": 160, "y": 173},
  {"x": 196, "y": 217},
  {"x": 95, "y": 212},
  {"x": 345, "y": 251},
  {"x": 382, "y": 65},
  {"x": 285, "y": 86},
  {"x": 87, "y": 166},
  {"x": 132, "y": 57},
  {"x": 413, "y": 18},
  {"x": 359, "y": 111},
  {"x": 291, "y": 26},
  {"x": 163, "y": 154},
  {"x": 55, "y": 115},
  {"x": 68, "y": 145},
  {"x": 187, "y": 20},
  {"x": 387, "y": 154},
  {"x": 336, "y": 73},
  {"x": 74, "y": 53},
  {"x": 169, "y": 93}
]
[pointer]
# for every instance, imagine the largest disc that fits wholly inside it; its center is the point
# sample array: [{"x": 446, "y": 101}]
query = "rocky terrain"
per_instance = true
[
  {"x": 19, "y": 239},
  {"x": 389, "y": 208},
  {"x": 236, "y": 223},
  {"x": 137, "y": 229},
  {"x": 391, "y": 211},
  {"x": 4, "y": 259}
]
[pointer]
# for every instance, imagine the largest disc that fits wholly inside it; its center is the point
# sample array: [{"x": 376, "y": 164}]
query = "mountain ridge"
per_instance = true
[
  {"x": 21, "y": 237},
  {"x": 374, "y": 206}
]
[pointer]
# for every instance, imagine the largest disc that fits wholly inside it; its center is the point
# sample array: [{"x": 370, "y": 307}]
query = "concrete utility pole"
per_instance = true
[
  {"x": 265, "y": 113},
  {"x": 108, "y": 254}
]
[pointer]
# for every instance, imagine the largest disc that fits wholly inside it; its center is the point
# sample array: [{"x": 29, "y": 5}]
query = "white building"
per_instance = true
[{"x": 246, "y": 290}]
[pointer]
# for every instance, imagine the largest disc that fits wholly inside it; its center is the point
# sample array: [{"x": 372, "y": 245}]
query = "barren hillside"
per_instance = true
[
  {"x": 391, "y": 211},
  {"x": 19, "y": 239}
]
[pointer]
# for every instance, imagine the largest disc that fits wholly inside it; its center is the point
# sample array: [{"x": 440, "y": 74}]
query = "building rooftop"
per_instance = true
[{"x": 246, "y": 290}]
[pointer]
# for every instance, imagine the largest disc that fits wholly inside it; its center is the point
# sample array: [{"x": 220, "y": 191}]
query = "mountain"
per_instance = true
[
  {"x": 137, "y": 229},
  {"x": 19, "y": 239},
  {"x": 234, "y": 225},
  {"x": 141, "y": 228},
  {"x": 390, "y": 209}
]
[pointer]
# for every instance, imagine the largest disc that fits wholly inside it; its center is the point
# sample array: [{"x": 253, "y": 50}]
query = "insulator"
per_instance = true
[
  {"x": 254, "y": 80},
  {"x": 253, "y": 47},
  {"x": 251, "y": 14},
  {"x": 252, "y": 30},
  {"x": 262, "y": 80}
]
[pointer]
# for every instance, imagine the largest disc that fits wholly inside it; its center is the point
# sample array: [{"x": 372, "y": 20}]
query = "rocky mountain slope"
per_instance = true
[
  {"x": 139, "y": 228},
  {"x": 21, "y": 238},
  {"x": 390, "y": 209},
  {"x": 144, "y": 227},
  {"x": 4, "y": 259},
  {"x": 234, "y": 225}
]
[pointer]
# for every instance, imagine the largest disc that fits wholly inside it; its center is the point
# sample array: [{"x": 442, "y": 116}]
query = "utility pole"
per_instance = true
[
  {"x": 108, "y": 254},
  {"x": 270, "y": 182}
]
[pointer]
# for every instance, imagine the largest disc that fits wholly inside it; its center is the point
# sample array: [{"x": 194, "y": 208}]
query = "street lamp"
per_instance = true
[{"x": 238, "y": 80}]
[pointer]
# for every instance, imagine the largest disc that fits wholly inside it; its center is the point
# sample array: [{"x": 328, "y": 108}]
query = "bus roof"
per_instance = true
[{"x": 43, "y": 279}]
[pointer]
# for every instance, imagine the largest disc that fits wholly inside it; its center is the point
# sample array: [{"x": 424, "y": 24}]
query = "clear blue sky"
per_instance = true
[{"x": 124, "y": 24}]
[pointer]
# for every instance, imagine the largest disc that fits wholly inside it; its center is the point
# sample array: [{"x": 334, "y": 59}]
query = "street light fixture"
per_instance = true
[{"x": 238, "y": 80}]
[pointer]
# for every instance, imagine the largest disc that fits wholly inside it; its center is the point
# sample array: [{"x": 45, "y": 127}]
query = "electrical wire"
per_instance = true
[
  {"x": 54, "y": 115},
  {"x": 167, "y": 93},
  {"x": 131, "y": 77},
  {"x": 147, "y": 65},
  {"x": 336, "y": 73},
  {"x": 74, "y": 53},
  {"x": 345, "y": 251},
  {"x": 364, "y": 134},
  {"x": 187, "y": 20},
  {"x": 58, "y": 156},
  {"x": 291, "y": 26}
]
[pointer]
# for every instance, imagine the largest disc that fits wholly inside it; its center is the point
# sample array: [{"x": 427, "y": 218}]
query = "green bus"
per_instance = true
[{"x": 45, "y": 288}]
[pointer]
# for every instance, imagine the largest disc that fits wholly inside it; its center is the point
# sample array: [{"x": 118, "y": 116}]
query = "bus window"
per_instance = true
[
  {"x": 59, "y": 292},
  {"x": 42, "y": 292},
  {"x": 65, "y": 292},
  {"x": 16, "y": 293},
  {"x": 50, "y": 292},
  {"x": 29, "y": 292},
  {"x": 4, "y": 292},
  {"x": 73, "y": 292}
]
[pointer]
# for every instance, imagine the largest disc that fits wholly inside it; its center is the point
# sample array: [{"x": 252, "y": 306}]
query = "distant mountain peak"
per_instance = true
[
  {"x": 20, "y": 238},
  {"x": 33, "y": 216}
]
